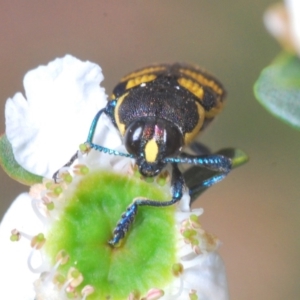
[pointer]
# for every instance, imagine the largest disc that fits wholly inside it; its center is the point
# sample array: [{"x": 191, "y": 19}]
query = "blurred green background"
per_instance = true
[{"x": 255, "y": 211}]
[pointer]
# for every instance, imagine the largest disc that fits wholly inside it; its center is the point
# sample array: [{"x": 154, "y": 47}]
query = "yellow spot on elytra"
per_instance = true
[
  {"x": 120, "y": 125},
  {"x": 138, "y": 80},
  {"x": 189, "y": 136},
  {"x": 143, "y": 72},
  {"x": 192, "y": 86},
  {"x": 214, "y": 110},
  {"x": 197, "y": 89},
  {"x": 151, "y": 151},
  {"x": 204, "y": 80}
]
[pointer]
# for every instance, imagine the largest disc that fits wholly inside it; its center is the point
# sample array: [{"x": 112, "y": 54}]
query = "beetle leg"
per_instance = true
[
  {"x": 128, "y": 216},
  {"x": 215, "y": 162},
  {"x": 68, "y": 164}
]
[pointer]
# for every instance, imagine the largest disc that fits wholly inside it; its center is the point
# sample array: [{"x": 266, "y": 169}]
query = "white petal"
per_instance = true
[
  {"x": 293, "y": 9},
  {"x": 62, "y": 99},
  {"x": 208, "y": 277},
  {"x": 185, "y": 202},
  {"x": 276, "y": 22},
  {"x": 16, "y": 280}
]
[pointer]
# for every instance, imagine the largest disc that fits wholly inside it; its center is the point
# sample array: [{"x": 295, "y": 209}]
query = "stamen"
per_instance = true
[
  {"x": 38, "y": 241},
  {"x": 197, "y": 250},
  {"x": 212, "y": 242},
  {"x": 49, "y": 184},
  {"x": 195, "y": 247},
  {"x": 81, "y": 169},
  {"x": 57, "y": 190},
  {"x": 134, "y": 295},
  {"x": 184, "y": 215},
  {"x": 193, "y": 262},
  {"x": 71, "y": 292},
  {"x": 180, "y": 288},
  {"x": 62, "y": 257},
  {"x": 75, "y": 276},
  {"x": 154, "y": 294},
  {"x": 54, "y": 189},
  {"x": 67, "y": 177},
  {"x": 194, "y": 221},
  {"x": 66, "y": 287},
  {"x": 84, "y": 148},
  {"x": 15, "y": 235},
  {"x": 59, "y": 279},
  {"x": 86, "y": 291},
  {"x": 193, "y": 295},
  {"x": 189, "y": 233},
  {"x": 38, "y": 209},
  {"x": 50, "y": 194},
  {"x": 41, "y": 268},
  {"x": 185, "y": 250},
  {"x": 177, "y": 269},
  {"x": 49, "y": 205}
]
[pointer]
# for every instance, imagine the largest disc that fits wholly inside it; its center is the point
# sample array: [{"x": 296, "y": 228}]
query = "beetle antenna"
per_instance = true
[{"x": 106, "y": 110}]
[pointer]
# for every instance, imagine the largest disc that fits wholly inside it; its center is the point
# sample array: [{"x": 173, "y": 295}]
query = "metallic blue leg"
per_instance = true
[
  {"x": 214, "y": 163},
  {"x": 217, "y": 163},
  {"x": 128, "y": 216}
]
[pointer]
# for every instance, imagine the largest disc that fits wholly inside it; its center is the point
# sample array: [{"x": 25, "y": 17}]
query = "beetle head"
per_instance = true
[{"x": 151, "y": 140}]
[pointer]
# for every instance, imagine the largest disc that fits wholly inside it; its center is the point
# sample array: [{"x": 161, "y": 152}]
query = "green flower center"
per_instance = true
[{"x": 146, "y": 256}]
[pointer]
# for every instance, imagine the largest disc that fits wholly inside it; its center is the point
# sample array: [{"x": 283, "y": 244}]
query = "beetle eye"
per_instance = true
[
  {"x": 133, "y": 137},
  {"x": 173, "y": 140}
]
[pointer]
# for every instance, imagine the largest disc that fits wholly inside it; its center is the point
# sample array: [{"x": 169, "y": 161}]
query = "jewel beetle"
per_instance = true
[{"x": 158, "y": 110}]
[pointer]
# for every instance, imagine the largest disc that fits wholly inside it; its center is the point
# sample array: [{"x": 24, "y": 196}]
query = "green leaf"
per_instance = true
[
  {"x": 238, "y": 157},
  {"x": 278, "y": 89},
  {"x": 12, "y": 168}
]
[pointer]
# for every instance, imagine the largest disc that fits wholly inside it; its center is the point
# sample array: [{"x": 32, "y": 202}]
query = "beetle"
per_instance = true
[{"x": 158, "y": 110}]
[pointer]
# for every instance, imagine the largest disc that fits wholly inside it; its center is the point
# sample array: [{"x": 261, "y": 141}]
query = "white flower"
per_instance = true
[
  {"x": 45, "y": 131},
  {"x": 283, "y": 22},
  {"x": 203, "y": 273}
]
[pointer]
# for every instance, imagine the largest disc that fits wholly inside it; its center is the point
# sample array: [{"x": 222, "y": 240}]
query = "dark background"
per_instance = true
[{"x": 255, "y": 211}]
